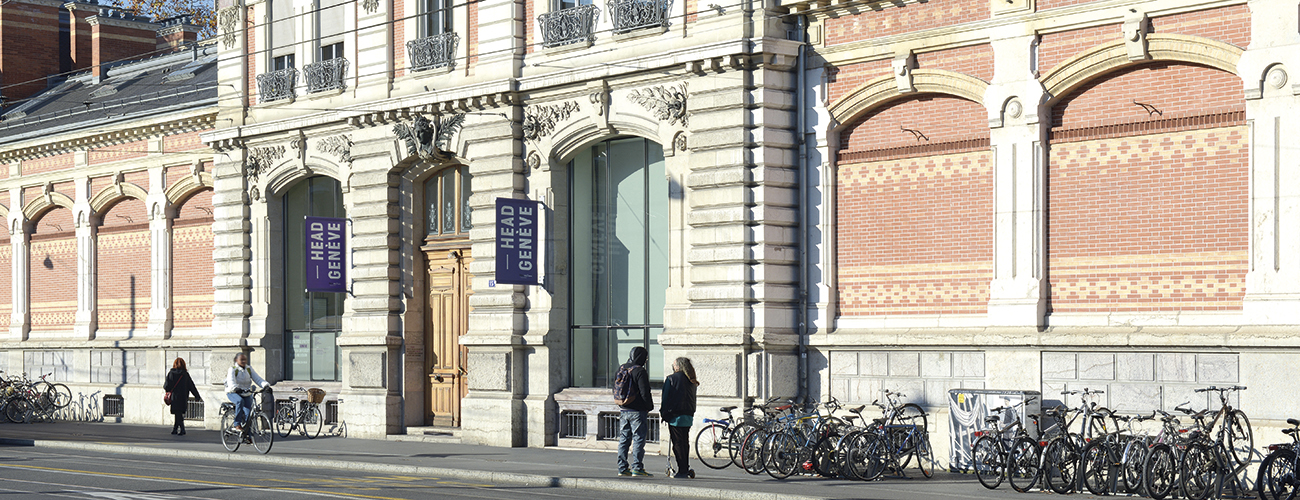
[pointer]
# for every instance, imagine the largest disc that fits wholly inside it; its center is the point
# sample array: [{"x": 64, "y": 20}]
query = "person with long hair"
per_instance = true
[
  {"x": 180, "y": 386},
  {"x": 240, "y": 382},
  {"x": 678, "y": 409}
]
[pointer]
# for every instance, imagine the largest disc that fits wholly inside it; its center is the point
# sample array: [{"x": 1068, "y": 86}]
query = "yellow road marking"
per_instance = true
[{"x": 198, "y": 481}]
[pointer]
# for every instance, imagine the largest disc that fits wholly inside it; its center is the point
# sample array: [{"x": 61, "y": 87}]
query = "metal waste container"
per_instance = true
[{"x": 967, "y": 409}]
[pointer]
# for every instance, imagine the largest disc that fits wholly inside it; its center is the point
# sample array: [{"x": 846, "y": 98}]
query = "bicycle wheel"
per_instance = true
[
  {"x": 751, "y": 451},
  {"x": 866, "y": 456},
  {"x": 1240, "y": 438},
  {"x": 1199, "y": 472},
  {"x": 61, "y": 395},
  {"x": 284, "y": 420},
  {"x": 988, "y": 462},
  {"x": 313, "y": 423},
  {"x": 1022, "y": 464},
  {"x": 782, "y": 455},
  {"x": 1094, "y": 467},
  {"x": 736, "y": 439},
  {"x": 1132, "y": 468},
  {"x": 911, "y": 415},
  {"x": 261, "y": 433},
  {"x": 1160, "y": 472},
  {"x": 229, "y": 437},
  {"x": 19, "y": 410},
  {"x": 925, "y": 457},
  {"x": 1277, "y": 480},
  {"x": 847, "y": 449},
  {"x": 711, "y": 446},
  {"x": 1060, "y": 463},
  {"x": 825, "y": 459}
]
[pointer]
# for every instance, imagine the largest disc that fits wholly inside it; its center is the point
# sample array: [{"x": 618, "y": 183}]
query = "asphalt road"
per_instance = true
[{"x": 29, "y": 473}]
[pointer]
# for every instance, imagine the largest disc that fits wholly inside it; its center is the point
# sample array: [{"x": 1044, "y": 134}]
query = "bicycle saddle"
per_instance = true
[
  {"x": 1293, "y": 421},
  {"x": 726, "y": 409},
  {"x": 857, "y": 410}
]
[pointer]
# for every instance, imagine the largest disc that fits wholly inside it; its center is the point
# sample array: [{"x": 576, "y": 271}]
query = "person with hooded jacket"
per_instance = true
[{"x": 634, "y": 415}]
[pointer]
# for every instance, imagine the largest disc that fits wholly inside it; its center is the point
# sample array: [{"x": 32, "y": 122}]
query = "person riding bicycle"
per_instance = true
[{"x": 239, "y": 388}]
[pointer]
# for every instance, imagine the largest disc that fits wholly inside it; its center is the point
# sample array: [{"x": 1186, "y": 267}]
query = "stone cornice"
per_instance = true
[
  {"x": 120, "y": 22},
  {"x": 123, "y": 135}
]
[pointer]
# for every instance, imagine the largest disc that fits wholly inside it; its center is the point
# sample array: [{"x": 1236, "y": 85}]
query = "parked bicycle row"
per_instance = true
[
  {"x": 23, "y": 400},
  {"x": 1194, "y": 454},
  {"x": 784, "y": 438}
]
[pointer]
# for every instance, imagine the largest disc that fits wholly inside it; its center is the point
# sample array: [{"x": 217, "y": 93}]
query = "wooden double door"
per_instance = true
[{"x": 446, "y": 319}]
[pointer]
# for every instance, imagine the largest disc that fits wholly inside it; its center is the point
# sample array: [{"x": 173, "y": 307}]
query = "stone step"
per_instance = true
[{"x": 444, "y": 435}]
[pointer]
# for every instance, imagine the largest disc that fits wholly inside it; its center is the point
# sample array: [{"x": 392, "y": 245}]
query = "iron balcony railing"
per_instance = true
[
  {"x": 437, "y": 51},
  {"x": 631, "y": 15},
  {"x": 277, "y": 85},
  {"x": 329, "y": 74},
  {"x": 569, "y": 26}
]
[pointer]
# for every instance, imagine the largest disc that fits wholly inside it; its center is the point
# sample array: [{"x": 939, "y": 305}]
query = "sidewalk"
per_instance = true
[{"x": 593, "y": 470}]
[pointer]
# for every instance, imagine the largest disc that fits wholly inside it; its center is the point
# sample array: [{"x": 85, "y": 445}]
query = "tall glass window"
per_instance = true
[
  {"x": 618, "y": 257},
  {"x": 446, "y": 202},
  {"x": 435, "y": 17},
  {"x": 312, "y": 320}
]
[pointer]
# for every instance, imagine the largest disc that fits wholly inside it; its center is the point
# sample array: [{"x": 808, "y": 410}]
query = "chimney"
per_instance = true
[
  {"x": 116, "y": 35},
  {"x": 79, "y": 32},
  {"x": 29, "y": 46},
  {"x": 177, "y": 31}
]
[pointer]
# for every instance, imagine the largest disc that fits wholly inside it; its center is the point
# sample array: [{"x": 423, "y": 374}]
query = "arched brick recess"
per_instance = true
[
  {"x": 192, "y": 270},
  {"x": 1149, "y": 211},
  {"x": 914, "y": 217},
  {"x": 123, "y": 281},
  {"x": 53, "y": 264}
]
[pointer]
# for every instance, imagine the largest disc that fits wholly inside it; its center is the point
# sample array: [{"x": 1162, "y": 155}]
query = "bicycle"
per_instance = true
[
  {"x": 1060, "y": 464},
  {"x": 891, "y": 442},
  {"x": 1277, "y": 473},
  {"x": 996, "y": 456},
  {"x": 715, "y": 444},
  {"x": 1206, "y": 463},
  {"x": 257, "y": 428},
  {"x": 793, "y": 443},
  {"x": 306, "y": 416},
  {"x": 1160, "y": 472}
]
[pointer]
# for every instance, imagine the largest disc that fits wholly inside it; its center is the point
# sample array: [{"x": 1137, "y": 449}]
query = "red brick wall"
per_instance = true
[
  {"x": 116, "y": 152},
  {"x": 253, "y": 55},
  {"x": 908, "y": 18},
  {"x": 1226, "y": 24},
  {"x": 53, "y": 264},
  {"x": 843, "y": 80},
  {"x": 1155, "y": 220},
  {"x": 124, "y": 275},
  {"x": 1052, "y": 4},
  {"x": 471, "y": 38},
  {"x": 188, "y": 141},
  {"x": 399, "y": 38},
  {"x": 530, "y": 25},
  {"x": 1055, "y": 48},
  {"x": 975, "y": 60},
  {"x": 904, "y": 245},
  {"x": 1174, "y": 89},
  {"x": 941, "y": 118},
  {"x": 192, "y": 270},
  {"x": 29, "y": 47}
]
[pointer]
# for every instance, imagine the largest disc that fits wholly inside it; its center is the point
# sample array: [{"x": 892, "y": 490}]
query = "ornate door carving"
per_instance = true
[{"x": 446, "y": 319}]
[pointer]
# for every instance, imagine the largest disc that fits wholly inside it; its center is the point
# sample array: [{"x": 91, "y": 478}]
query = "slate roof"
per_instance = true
[{"x": 182, "y": 80}]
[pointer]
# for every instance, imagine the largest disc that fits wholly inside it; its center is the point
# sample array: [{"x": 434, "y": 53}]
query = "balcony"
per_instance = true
[
  {"x": 569, "y": 26},
  {"x": 277, "y": 85},
  {"x": 632, "y": 15},
  {"x": 329, "y": 74},
  {"x": 437, "y": 51}
]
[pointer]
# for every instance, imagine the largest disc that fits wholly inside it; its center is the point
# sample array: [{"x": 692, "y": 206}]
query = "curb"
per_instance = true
[{"x": 505, "y": 478}]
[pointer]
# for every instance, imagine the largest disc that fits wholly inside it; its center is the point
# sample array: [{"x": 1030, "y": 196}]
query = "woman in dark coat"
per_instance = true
[
  {"x": 181, "y": 386},
  {"x": 678, "y": 409}
]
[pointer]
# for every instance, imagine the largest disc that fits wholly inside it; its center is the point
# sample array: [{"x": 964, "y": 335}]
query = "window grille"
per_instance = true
[
  {"x": 114, "y": 405},
  {"x": 194, "y": 409},
  {"x": 573, "y": 424},
  {"x": 332, "y": 412},
  {"x": 607, "y": 427}
]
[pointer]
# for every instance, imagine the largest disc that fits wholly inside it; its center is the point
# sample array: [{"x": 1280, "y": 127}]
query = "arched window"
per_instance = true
[
  {"x": 312, "y": 320},
  {"x": 618, "y": 257},
  {"x": 446, "y": 202}
]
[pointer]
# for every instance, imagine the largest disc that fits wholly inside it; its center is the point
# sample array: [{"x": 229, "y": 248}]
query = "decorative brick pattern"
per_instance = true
[
  {"x": 188, "y": 141},
  {"x": 1226, "y": 24},
  {"x": 124, "y": 280},
  {"x": 904, "y": 247},
  {"x": 48, "y": 164},
  {"x": 904, "y": 18},
  {"x": 1173, "y": 89},
  {"x": 118, "y": 152},
  {"x": 192, "y": 271},
  {"x": 1149, "y": 223},
  {"x": 53, "y": 264},
  {"x": 975, "y": 60}
]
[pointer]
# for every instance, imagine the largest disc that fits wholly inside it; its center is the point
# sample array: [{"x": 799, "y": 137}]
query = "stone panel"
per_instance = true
[
  {"x": 1136, "y": 367},
  {"x": 1096, "y": 366},
  {"x": 904, "y": 364},
  {"x": 968, "y": 365},
  {"x": 925, "y": 377},
  {"x": 1216, "y": 368},
  {"x": 490, "y": 372},
  {"x": 874, "y": 364},
  {"x": 936, "y": 364},
  {"x": 844, "y": 363},
  {"x": 1059, "y": 365},
  {"x": 366, "y": 369},
  {"x": 719, "y": 374},
  {"x": 1176, "y": 367},
  {"x": 1135, "y": 398}
]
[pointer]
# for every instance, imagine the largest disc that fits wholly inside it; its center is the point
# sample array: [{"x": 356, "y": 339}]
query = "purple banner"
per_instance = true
[
  {"x": 326, "y": 254},
  {"x": 517, "y": 231}
]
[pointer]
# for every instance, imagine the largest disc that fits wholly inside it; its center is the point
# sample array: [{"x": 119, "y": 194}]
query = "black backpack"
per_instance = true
[{"x": 624, "y": 387}]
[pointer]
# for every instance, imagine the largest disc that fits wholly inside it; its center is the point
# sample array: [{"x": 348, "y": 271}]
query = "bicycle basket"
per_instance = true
[{"x": 316, "y": 395}]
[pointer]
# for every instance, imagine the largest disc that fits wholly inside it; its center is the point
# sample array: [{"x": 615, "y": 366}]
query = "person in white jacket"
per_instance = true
[{"x": 239, "y": 388}]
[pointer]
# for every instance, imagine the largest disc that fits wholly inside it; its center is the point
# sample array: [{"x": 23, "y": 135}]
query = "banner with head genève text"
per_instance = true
[
  {"x": 326, "y": 254},
  {"x": 518, "y": 234}
]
